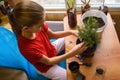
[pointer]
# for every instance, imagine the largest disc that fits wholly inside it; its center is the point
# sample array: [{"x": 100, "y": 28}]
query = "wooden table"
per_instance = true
[{"x": 106, "y": 55}]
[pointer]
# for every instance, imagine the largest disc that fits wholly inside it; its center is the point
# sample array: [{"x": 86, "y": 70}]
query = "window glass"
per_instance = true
[
  {"x": 95, "y": 3},
  {"x": 52, "y": 4},
  {"x": 60, "y": 4}
]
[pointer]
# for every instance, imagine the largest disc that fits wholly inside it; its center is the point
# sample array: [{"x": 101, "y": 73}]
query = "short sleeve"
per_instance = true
[
  {"x": 45, "y": 27},
  {"x": 33, "y": 55}
]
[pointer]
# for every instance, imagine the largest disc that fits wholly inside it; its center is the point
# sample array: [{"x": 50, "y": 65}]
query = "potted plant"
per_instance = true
[
  {"x": 104, "y": 8},
  {"x": 71, "y": 12},
  {"x": 94, "y": 22},
  {"x": 88, "y": 34},
  {"x": 86, "y": 6},
  {"x": 99, "y": 16}
]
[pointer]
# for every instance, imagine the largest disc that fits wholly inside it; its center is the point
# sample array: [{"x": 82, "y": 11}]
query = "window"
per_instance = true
[
  {"x": 60, "y": 4},
  {"x": 52, "y": 4},
  {"x": 97, "y": 3}
]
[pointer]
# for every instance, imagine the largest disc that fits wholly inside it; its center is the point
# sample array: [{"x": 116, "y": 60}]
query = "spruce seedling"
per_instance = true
[{"x": 89, "y": 32}]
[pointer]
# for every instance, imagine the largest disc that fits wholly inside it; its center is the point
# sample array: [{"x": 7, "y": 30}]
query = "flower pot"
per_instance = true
[
  {"x": 104, "y": 9},
  {"x": 89, "y": 52},
  {"x": 102, "y": 19},
  {"x": 74, "y": 67},
  {"x": 72, "y": 17}
]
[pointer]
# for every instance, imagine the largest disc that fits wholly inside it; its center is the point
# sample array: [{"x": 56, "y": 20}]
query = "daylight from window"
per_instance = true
[
  {"x": 49, "y": 4},
  {"x": 60, "y": 4},
  {"x": 109, "y": 3}
]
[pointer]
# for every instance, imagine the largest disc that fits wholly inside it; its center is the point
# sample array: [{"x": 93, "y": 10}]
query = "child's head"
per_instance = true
[
  {"x": 12, "y": 3},
  {"x": 28, "y": 14}
]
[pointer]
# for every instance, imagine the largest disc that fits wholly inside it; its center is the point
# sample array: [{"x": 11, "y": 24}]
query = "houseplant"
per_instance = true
[
  {"x": 104, "y": 8},
  {"x": 85, "y": 6},
  {"x": 100, "y": 16},
  {"x": 71, "y": 12},
  {"x": 94, "y": 22},
  {"x": 89, "y": 35}
]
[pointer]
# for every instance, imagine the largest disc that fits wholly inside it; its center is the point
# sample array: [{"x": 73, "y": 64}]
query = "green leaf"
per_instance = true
[
  {"x": 70, "y": 3},
  {"x": 89, "y": 32}
]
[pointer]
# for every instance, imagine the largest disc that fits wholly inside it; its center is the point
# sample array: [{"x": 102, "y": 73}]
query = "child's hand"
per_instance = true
[
  {"x": 84, "y": 46},
  {"x": 79, "y": 48}
]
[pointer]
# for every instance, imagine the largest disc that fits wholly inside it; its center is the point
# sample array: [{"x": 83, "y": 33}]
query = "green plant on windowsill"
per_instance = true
[
  {"x": 89, "y": 35},
  {"x": 71, "y": 12},
  {"x": 70, "y": 3},
  {"x": 85, "y": 6}
]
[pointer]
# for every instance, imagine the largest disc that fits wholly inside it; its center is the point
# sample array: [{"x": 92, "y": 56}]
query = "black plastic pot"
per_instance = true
[
  {"x": 104, "y": 9},
  {"x": 89, "y": 52},
  {"x": 74, "y": 66}
]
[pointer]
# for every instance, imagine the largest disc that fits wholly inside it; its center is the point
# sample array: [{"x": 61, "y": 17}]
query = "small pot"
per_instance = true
[
  {"x": 104, "y": 9},
  {"x": 74, "y": 66}
]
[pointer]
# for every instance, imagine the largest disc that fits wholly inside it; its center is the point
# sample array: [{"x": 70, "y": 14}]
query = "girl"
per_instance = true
[{"x": 33, "y": 34}]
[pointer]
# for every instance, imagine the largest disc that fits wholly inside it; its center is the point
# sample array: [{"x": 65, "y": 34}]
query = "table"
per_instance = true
[{"x": 106, "y": 55}]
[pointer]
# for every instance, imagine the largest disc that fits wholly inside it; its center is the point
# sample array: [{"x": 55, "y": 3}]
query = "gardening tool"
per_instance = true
[
  {"x": 80, "y": 58},
  {"x": 82, "y": 61},
  {"x": 88, "y": 64}
]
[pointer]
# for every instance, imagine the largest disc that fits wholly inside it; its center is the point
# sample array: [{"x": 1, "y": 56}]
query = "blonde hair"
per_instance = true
[{"x": 25, "y": 13}]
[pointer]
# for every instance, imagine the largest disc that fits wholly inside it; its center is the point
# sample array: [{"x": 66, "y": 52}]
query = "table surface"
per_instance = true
[{"x": 106, "y": 55}]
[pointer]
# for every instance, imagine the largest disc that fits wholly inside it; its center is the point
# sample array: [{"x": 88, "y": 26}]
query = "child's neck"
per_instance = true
[{"x": 28, "y": 35}]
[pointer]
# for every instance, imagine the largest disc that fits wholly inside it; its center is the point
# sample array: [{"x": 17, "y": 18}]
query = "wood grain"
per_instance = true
[{"x": 106, "y": 55}]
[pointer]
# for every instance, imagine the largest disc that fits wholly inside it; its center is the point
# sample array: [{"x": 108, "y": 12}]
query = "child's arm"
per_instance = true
[
  {"x": 59, "y": 34},
  {"x": 78, "y": 49}
]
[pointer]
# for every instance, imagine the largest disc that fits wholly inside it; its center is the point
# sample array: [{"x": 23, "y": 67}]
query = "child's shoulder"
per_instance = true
[{"x": 45, "y": 27}]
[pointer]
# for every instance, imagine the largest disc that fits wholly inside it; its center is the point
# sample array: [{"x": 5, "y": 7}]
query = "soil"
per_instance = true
[
  {"x": 74, "y": 66},
  {"x": 99, "y": 20},
  {"x": 100, "y": 71}
]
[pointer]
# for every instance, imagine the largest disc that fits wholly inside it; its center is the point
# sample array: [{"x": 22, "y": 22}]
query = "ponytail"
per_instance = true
[
  {"x": 14, "y": 25},
  {"x": 26, "y": 13}
]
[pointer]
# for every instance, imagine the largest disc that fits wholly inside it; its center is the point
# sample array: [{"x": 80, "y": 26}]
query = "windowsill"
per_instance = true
[
  {"x": 115, "y": 7},
  {"x": 111, "y": 9},
  {"x": 63, "y": 10}
]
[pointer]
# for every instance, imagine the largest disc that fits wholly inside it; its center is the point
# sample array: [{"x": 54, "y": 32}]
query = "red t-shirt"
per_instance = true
[{"x": 33, "y": 50}]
